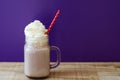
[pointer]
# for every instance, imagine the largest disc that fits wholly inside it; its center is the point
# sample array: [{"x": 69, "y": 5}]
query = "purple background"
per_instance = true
[{"x": 86, "y": 30}]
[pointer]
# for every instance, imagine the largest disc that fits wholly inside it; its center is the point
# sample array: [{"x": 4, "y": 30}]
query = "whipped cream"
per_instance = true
[
  {"x": 35, "y": 33},
  {"x": 35, "y": 29}
]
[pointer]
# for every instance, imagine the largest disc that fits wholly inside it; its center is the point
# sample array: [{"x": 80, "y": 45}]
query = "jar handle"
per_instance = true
[{"x": 58, "y": 53}]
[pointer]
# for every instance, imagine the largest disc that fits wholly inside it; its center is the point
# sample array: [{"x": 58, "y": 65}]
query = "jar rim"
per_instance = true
[{"x": 36, "y": 36}]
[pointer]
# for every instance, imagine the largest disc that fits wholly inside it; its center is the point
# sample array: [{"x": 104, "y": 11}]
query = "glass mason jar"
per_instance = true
[{"x": 37, "y": 57}]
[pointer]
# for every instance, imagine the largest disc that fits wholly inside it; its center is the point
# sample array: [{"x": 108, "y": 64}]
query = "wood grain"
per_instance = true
[{"x": 66, "y": 71}]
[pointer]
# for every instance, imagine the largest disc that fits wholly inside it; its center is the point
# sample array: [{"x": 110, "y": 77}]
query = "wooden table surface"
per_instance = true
[{"x": 66, "y": 71}]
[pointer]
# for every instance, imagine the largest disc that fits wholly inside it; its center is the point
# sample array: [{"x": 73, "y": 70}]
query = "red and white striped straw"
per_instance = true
[{"x": 53, "y": 21}]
